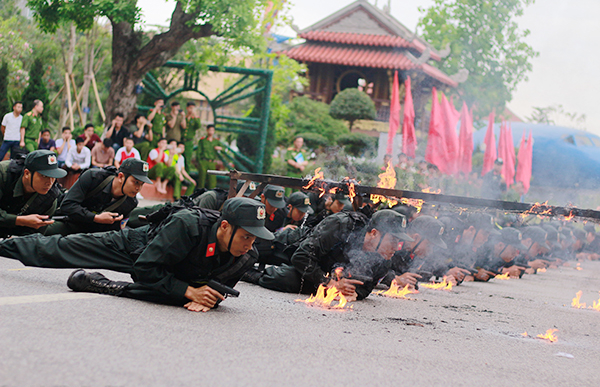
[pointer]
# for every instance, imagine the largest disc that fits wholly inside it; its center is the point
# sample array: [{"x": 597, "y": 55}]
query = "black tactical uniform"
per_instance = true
[
  {"x": 13, "y": 199},
  {"x": 163, "y": 260}
]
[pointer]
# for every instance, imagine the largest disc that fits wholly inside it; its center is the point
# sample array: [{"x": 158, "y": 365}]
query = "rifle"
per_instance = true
[{"x": 223, "y": 289}]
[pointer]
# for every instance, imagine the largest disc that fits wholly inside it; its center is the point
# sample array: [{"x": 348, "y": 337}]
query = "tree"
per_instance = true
[
  {"x": 4, "y": 105},
  {"x": 556, "y": 115},
  {"x": 485, "y": 40},
  {"x": 309, "y": 116},
  {"x": 352, "y": 105},
  {"x": 133, "y": 55},
  {"x": 36, "y": 89}
]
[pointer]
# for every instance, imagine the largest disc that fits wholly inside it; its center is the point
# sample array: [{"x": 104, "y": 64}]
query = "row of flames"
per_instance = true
[
  {"x": 575, "y": 303},
  {"x": 322, "y": 186},
  {"x": 543, "y": 210}
]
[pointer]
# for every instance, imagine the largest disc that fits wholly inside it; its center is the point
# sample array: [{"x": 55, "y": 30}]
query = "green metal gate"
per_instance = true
[{"x": 253, "y": 83}]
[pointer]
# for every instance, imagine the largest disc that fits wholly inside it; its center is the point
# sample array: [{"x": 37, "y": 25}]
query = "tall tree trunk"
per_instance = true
[
  {"x": 88, "y": 69},
  {"x": 131, "y": 61},
  {"x": 68, "y": 57}
]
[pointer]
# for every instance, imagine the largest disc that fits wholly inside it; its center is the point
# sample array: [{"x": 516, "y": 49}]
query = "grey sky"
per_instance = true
[{"x": 565, "y": 33}]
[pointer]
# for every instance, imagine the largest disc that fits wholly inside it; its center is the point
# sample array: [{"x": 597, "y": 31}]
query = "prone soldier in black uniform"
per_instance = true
[
  {"x": 171, "y": 261},
  {"x": 101, "y": 198},
  {"x": 28, "y": 193}
]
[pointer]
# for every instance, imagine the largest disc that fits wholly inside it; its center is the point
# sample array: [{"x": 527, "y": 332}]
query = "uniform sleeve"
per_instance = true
[
  {"x": 171, "y": 246},
  {"x": 315, "y": 248},
  {"x": 71, "y": 205},
  {"x": 6, "y": 219}
]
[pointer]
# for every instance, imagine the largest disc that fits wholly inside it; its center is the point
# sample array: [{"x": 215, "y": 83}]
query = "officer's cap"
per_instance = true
[
  {"x": 537, "y": 234},
  {"x": 275, "y": 195},
  {"x": 390, "y": 222},
  {"x": 590, "y": 227},
  {"x": 301, "y": 201},
  {"x": 429, "y": 228},
  {"x": 512, "y": 236},
  {"x": 482, "y": 221},
  {"x": 579, "y": 234},
  {"x": 499, "y": 161},
  {"x": 248, "y": 214},
  {"x": 136, "y": 168},
  {"x": 344, "y": 199},
  {"x": 251, "y": 187},
  {"x": 552, "y": 232},
  {"x": 44, "y": 162}
]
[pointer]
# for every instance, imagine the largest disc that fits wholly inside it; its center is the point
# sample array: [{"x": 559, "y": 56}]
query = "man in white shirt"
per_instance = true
[
  {"x": 11, "y": 129},
  {"x": 64, "y": 145},
  {"x": 182, "y": 175},
  {"x": 79, "y": 158},
  {"x": 126, "y": 152}
]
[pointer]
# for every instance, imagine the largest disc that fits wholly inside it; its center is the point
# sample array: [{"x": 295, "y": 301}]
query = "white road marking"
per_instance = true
[{"x": 46, "y": 298}]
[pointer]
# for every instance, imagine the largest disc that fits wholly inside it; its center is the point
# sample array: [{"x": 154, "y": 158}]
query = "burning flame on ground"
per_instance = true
[
  {"x": 549, "y": 335},
  {"x": 578, "y": 267},
  {"x": 326, "y": 301},
  {"x": 504, "y": 276},
  {"x": 541, "y": 270},
  {"x": 596, "y": 305},
  {"x": 444, "y": 285},
  {"x": 524, "y": 334},
  {"x": 387, "y": 179},
  {"x": 395, "y": 292},
  {"x": 575, "y": 303}
]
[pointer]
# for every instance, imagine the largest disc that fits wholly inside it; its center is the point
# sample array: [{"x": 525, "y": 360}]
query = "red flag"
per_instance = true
[
  {"x": 409, "y": 139},
  {"x": 450, "y": 118},
  {"x": 489, "y": 155},
  {"x": 465, "y": 141},
  {"x": 436, "y": 143},
  {"x": 525, "y": 162},
  {"x": 509, "y": 155},
  {"x": 394, "y": 114},
  {"x": 502, "y": 146}
]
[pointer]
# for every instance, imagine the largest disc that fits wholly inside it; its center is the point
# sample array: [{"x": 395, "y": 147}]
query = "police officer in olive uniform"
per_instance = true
[
  {"x": 170, "y": 263},
  {"x": 28, "y": 192},
  {"x": 31, "y": 127},
  {"x": 346, "y": 239},
  {"x": 101, "y": 198},
  {"x": 189, "y": 133}
]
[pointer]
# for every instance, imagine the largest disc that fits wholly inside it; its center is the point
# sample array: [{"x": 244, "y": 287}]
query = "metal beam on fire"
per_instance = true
[{"x": 319, "y": 185}]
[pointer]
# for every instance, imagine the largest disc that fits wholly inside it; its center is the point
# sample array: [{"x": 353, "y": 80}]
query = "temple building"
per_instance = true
[{"x": 362, "y": 45}]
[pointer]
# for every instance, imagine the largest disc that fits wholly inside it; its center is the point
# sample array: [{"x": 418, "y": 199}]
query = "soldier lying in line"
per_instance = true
[
  {"x": 343, "y": 239},
  {"x": 28, "y": 193},
  {"x": 171, "y": 261}
]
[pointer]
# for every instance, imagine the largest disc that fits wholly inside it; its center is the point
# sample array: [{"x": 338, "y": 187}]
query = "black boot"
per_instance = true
[
  {"x": 82, "y": 281},
  {"x": 252, "y": 276}
]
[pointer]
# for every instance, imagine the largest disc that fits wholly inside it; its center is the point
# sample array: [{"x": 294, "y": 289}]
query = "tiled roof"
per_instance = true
[
  {"x": 358, "y": 56},
  {"x": 366, "y": 40}
]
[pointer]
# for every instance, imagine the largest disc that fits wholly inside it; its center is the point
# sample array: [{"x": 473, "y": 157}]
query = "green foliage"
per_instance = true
[
  {"x": 14, "y": 50},
  {"x": 309, "y": 116},
  {"x": 314, "y": 140},
  {"x": 36, "y": 88},
  {"x": 4, "y": 104},
  {"x": 358, "y": 144},
  {"x": 485, "y": 40},
  {"x": 352, "y": 105},
  {"x": 556, "y": 115}
]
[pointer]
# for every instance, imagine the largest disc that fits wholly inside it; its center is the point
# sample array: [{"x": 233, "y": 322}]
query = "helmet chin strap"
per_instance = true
[
  {"x": 31, "y": 181},
  {"x": 380, "y": 240},
  {"x": 235, "y": 228},
  {"x": 123, "y": 185}
]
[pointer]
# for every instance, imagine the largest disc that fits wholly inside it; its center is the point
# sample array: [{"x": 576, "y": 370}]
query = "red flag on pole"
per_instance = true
[
  {"x": 465, "y": 141},
  {"x": 512, "y": 147},
  {"x": 394, "y": 114},
  {"x": 502, "y": 147},
  {"x": 525, "y": 162},
  {"x": 509, "y": 155},
  {"x": 450, "y": 118},
  {"x": 409, "y": 139},
  {"x": 489, "y": 155},
  {"x": 436, "y": 143}
]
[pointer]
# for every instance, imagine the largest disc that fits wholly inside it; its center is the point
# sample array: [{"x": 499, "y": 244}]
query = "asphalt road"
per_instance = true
[{"x": 469, "y": 336}]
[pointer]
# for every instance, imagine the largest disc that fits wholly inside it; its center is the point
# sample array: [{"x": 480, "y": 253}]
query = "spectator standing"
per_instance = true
[
  {"x": 103, "y": 154},
  {"x": 116, "y": 132},
  {"x": 31, "y": 127},
  {"x": 493, "y": 183},
  {"x": 46, "y": 142},
  {"x": 188, "y": 134},
  {"x": 177, "y": 160},
  {"x": 11, "y": 129},
  {"x": 142, "y": 137},
  {"x": 158, "y": 121},
  {"x": 176, "y": 122},
  {"x": 79, "y": 158},
  {"x": 206, "y": 156},
  {"x": 90, "y": 139},
  {"x": 159, "y": 169},
  {"x": 295, "y": 158},
  {"x": 63, "y": 145},
  {"x": 126, "y": 152}
]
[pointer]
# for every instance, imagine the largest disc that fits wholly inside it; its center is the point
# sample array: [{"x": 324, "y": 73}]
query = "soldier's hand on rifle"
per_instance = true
[
  {"x": 33, "y": 221},
  {"x": 410, "y": 279},
  {"x": 539, "y": 264},
  {"x": 345, "y": 285},
  {"x": 458, "y": 273},
  {"x": 108, "y": 218},
  {"x": 204, "y": 296},
  {"x": 513, "y": 271},
  {"x": 484, "y": 275}
]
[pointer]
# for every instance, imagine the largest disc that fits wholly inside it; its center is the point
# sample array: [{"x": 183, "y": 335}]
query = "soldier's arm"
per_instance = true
[
  {"x": 171, "y": 246},
  {"x": 72, "y": 204},
  {"x": 315, "y": 248},
  {"x": 6, "y": 219}
]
